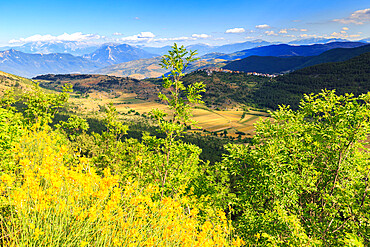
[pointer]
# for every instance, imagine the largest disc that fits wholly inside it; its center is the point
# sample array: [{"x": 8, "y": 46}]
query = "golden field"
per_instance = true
[{"x": 212, "y": 120}]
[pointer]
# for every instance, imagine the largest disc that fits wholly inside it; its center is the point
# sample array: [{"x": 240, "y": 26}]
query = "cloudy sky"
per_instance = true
[{"x": 158, "y": 23}]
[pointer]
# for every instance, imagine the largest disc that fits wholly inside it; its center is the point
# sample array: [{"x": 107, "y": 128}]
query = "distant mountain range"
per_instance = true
[
  {"x": 150, "y": 68},
  {"x": 312, "y": 41},
  {"x": 110, "y": 54},
  {"x": 272, "y": 65},
  {"x": 76, "y": 48},
  {"x": 230, "y": 48},
  {"x": 203, "y": 49},
  {"x": 113, "y": 56},
  {"x": 289, "y": 50},
  {"x": 30, "y": 65},
  {"x": 287, "y": 61}
]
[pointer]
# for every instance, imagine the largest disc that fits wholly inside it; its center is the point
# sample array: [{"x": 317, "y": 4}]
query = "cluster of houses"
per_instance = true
[
  {"x": 262, "y": 74},
  {"x": 210, "y": 70}
]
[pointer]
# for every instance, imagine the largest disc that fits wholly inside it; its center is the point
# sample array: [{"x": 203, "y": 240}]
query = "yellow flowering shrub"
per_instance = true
[{"x": 57, "y": 199}]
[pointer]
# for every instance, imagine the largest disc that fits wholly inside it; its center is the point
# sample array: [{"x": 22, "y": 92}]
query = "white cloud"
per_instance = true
[
  {"x": 345, "y": 28},
  {"x": 201, "y": 36},
  {"x": 263, "y": 26},
  {"x": 358, "y": 17},
  {"x": 309, "y": 36},
  {"x": 146, "y": 35},
  {"x": 141, "y": 37},
  {"x": 117, "y": 34},
  {"x": 283, "y": 31},
  {"x": 235, "y": 30},
  {"x": 174, "y": 39},
  {"x": 343, "y": 34},
  {"x": 181, "y": 38},
  {"x": 270, "y": 33},
  {"x": 63, "y": 37}
]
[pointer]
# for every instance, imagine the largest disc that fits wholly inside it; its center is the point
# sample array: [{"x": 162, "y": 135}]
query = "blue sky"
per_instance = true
[{"x": 158, "y": 23}]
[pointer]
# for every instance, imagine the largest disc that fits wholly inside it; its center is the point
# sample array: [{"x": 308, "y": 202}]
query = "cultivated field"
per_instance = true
[{"x": 232, "y": 120}]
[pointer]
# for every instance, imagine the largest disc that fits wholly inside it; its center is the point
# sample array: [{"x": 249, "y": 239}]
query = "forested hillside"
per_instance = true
[
  {"x": 224, "y": 89},
  {"x": 352, "y": 76}
]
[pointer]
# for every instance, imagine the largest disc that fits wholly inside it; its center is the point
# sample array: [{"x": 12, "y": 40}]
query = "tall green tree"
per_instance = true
[
  {"x": 173, "y": 171},
  {"x": 304, "y": 181}
]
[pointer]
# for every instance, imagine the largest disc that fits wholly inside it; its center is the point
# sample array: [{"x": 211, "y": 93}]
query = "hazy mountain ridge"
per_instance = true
[
  {"x": 150, "y": 68},
  {"x": 110, "y": 54},
  {"x": 76, "y": 48},
  {"x": 272, "y": 65},
  {"x": 311, "y": 41},
  {"x": 290, "y": 50},
  {"x": 144, "y": 68},
  {"x": 30, "y": 65}
]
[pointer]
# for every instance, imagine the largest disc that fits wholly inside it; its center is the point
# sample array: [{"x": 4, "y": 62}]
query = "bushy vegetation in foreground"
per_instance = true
[
  {"x": 305, "y": 179},
  {"x": 302, "y": 181},
  {"x": 55, "y": 198}
]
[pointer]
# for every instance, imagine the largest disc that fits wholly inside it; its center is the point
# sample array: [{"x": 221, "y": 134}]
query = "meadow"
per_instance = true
[{"x": 232, "y": 120}]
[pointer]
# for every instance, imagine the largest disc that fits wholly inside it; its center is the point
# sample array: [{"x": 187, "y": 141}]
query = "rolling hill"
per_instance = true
[
  {"x": 266, "y": 64},
  {"x": 9, "y": 82},
  {"x": 147, "y": 68},
  {"x": 336, "y": 55},
  {"x": 351, "y": 76},
  {"x": 138, "y": 69},
  {"x": 87, "y": 83}
]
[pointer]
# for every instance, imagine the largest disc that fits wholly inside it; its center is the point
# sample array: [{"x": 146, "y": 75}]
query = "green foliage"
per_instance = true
[
  {"x": 177, "y": 61},
  {"x": 109, "y": 142},
  {"x": 40, "y": 106},
  {"x": 8, "y": 99},
  {"x": 178, "y": 161},
  {"x": 304, "y": 179},
  {"x": 74, "y": 126},
  {"x": 267, "y": 64},
  {"x": 10, "y": 131}
]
